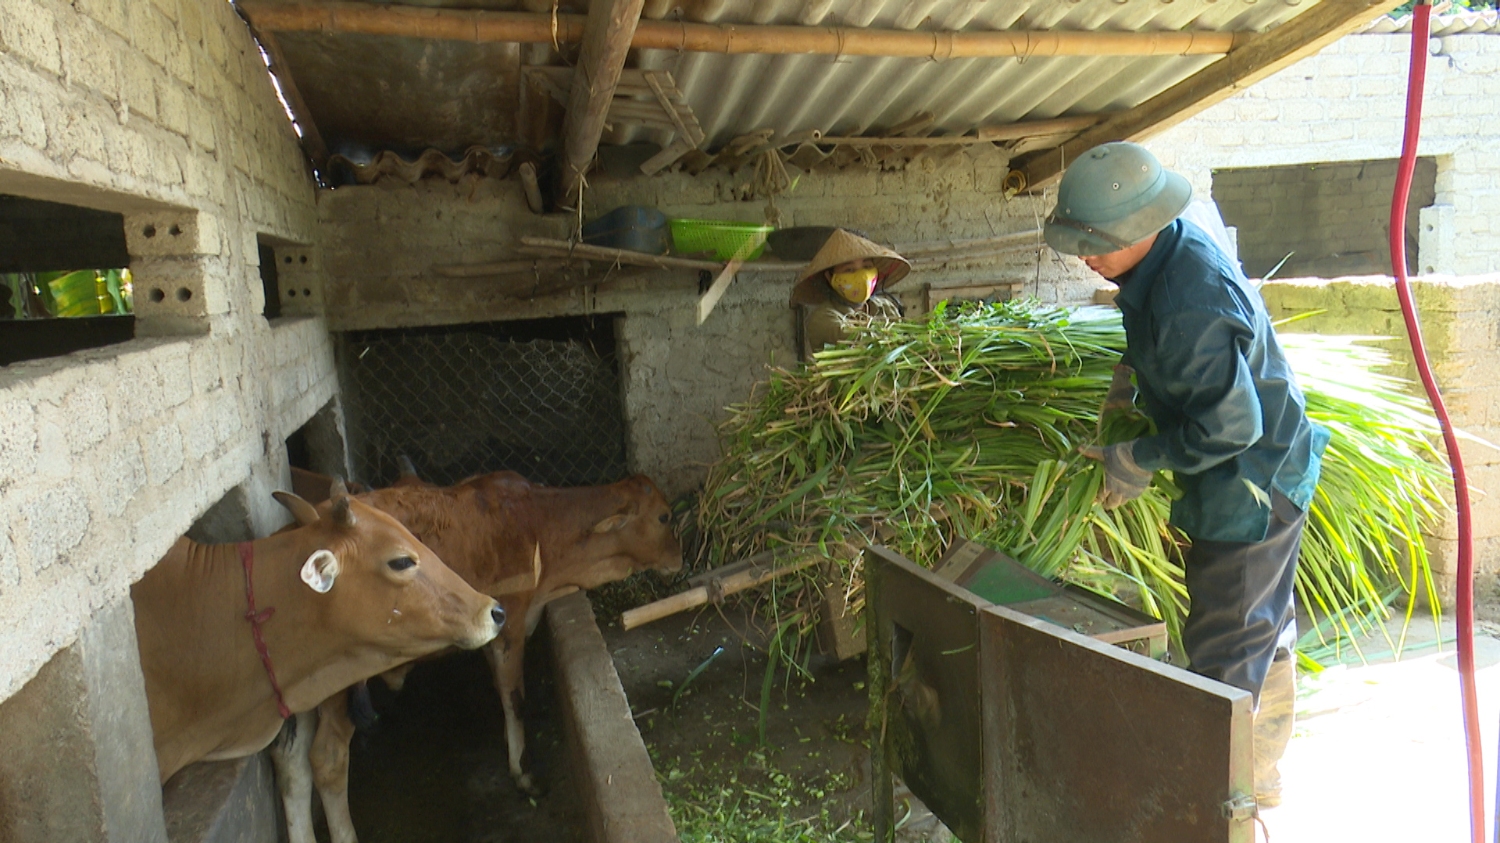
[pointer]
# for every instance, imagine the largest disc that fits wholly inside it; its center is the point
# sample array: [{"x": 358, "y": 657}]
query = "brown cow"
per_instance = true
[
  {"x": 523, "y": 544},
  {"x": 353, "y": 594}
]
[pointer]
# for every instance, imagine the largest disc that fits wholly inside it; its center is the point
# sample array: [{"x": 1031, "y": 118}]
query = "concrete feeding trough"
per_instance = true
[{"x": 611, "y": 773}]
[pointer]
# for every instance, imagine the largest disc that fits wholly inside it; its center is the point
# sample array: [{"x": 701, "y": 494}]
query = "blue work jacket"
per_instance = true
[{"x": 1211, "y": 374}]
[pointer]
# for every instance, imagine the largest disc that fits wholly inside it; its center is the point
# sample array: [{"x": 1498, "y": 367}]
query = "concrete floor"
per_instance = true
[{"x": 1378, "y": 753}]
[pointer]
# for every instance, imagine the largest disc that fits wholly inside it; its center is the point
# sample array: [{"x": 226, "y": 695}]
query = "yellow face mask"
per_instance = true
[{"x": 855, "y": 286}]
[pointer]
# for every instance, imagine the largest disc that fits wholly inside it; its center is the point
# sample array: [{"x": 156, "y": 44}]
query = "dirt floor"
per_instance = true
[
  {"x": 434, "y": 768},
  {"x": 808, "y": 780}
]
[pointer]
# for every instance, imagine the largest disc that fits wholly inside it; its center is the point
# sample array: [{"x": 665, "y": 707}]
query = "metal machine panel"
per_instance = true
[
  {"x": 1089, "y": 743},
  {"x": 925, "y": 699},
  {"x": 1012, "y": 729}
]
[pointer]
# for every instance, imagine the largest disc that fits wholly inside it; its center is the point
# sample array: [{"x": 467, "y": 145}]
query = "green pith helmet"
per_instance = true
[{"x": 1113, "y": 197}]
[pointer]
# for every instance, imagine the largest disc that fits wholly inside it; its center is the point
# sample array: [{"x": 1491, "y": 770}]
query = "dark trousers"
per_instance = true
[{"x": 1240, "y": 600}]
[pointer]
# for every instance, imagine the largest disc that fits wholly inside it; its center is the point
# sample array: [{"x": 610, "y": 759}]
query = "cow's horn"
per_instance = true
[
  {"x": 339, "y": 494},
  {"x": 304, "y": 512},
  {"x": 408, "y": 469}
]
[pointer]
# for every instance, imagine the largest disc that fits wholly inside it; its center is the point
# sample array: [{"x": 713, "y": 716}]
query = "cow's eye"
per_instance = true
[
  {"x": 401, "y": 563},
  {"x": 664, "y": 518}
]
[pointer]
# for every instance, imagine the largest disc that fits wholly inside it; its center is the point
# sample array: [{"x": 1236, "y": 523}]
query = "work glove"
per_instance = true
[
  {"x": 1120, "y": 398},
  {"x": 1123, "y": 479}
]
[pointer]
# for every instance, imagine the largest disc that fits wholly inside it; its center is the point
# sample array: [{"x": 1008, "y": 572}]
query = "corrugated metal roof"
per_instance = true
[
  {"x": 1486, "y": 22},
  {"x": 366, "y": 93}
]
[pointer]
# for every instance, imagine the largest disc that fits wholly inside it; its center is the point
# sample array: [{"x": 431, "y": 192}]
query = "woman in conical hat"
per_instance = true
[{"x": 848, "y": 274}]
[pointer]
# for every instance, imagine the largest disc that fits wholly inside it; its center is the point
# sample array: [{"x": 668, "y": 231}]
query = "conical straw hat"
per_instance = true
[{"x": 843, "y": 247}]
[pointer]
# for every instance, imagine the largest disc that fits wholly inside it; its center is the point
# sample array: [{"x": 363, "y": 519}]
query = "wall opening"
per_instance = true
[
  {"x": 1325, "y": 220},
  {"x": 269, "y": 281},
  {"x": 226, "y": 521},
  {"x": 64, "y": 279},
  {"x": 540, "y": 397}
]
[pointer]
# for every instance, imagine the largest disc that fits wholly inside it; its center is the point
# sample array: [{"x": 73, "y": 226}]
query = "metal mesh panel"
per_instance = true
[{"x": 478, "y": 398}]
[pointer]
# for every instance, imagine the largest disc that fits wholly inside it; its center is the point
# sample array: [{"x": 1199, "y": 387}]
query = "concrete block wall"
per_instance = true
[
  {"x": 1347, "y": 104},
  {"x": 380, "y": 245},
  {"x": 161, "y": 111},
  {"x": 1460, "y": 316}
]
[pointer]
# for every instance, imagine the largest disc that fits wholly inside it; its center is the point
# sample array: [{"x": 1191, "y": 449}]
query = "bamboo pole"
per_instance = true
[{"x": 520, "y": 27}]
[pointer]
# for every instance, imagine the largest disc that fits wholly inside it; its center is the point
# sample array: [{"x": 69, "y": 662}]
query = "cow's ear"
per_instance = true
[
  {"x": 304, "y": 512},
  {"x": 618, "y": 520},
  {"x": 320, "y": 570}
]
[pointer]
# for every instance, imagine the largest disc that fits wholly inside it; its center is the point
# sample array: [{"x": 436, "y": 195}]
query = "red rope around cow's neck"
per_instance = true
[{"x": 247, "y": 556}]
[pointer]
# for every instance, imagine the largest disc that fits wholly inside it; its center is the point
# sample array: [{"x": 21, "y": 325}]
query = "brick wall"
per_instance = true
[
  {"x": 164, "y": 112},
  {"x": 1346, "y": 104},
  {"x": 1459, "y": 318},
  {"x": 380, "y": 245}
]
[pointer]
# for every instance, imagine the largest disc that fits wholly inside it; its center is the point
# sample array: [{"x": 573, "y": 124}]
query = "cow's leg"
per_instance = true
[
  {"x": 289, "y": 758},
  {"x": 330, "y": 765},
  {"x": 507, "y": 657}
]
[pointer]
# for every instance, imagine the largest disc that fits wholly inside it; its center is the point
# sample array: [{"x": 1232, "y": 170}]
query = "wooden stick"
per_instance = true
[
  {"x": 935, "y": 247},
  {"x": 678, "y": 148},
  {"x": 533, "y": 189},
  {"x": 710, "y": 299},
  {"x": 562, "y": 248},
  {"x": 694, "y": 597},
  {"x": 691, "y": 134},
  {"x": 1035, "y": 128},
  {"x": 481, "y": 270},
  {"x": 606, "y": 42},
  {"x": 521, "y": 27}
]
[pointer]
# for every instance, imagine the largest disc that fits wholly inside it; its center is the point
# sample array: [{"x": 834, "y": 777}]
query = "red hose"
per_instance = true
[{"x": 1465, "y": 597}]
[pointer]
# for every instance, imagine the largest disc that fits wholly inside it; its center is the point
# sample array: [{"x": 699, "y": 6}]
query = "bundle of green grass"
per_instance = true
[{"x": 912, "y": 433}]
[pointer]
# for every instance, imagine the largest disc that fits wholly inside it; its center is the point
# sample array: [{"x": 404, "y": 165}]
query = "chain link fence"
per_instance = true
[{"x": 540, "y": 398}]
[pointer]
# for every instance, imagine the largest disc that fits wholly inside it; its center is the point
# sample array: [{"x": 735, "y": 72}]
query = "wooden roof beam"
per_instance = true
[
  {"x": 1260, "y": 57},
  {"x": 312, "y": 139},
  {"x": 606, "y": 42},
  {"x": 521, "y": 27}
]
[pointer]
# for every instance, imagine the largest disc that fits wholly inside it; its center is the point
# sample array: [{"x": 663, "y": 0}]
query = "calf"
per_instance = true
[
  {"x": 523, "y": 544},
  {"x": 235, "y": 638}
]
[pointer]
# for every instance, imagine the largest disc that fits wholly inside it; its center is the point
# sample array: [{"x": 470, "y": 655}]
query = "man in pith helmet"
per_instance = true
[
  {"x": 848, "y": 274},
  {"x": 1231, "y": 423}
]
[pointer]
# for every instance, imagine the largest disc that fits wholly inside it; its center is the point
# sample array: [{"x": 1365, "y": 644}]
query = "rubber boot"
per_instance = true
[{"x": 1273, "y": 727}]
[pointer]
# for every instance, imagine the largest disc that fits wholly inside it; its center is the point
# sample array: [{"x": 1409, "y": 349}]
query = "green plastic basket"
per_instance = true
[{"x": 723, "y": 239}]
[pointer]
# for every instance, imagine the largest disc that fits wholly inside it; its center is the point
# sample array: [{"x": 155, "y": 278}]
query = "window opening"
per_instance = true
[
  {"x": 1325, "y": 220},
  {"x": 65, "y": 284},
  {"x": 539, "y": 397}
]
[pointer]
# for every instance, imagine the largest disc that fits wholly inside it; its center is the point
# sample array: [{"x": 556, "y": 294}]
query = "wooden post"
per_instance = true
[
  {"x": 1260, "y": 57},
  {"x": 606, "y": 41}
]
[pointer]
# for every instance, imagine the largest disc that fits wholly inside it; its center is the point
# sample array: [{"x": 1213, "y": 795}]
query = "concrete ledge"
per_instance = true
[
  {"x": 223, "y": 802},
  {"x": 614, "y": 774}
]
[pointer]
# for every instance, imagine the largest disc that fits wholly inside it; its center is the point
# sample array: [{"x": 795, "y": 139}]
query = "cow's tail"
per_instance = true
[{"x": 361, "y": 707}]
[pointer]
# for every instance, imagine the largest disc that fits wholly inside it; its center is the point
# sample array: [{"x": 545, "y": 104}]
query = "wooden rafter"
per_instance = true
[
  {"x": 521, "y": 27},
  {"x": 1260, "y": 57},
  {"x": 312, "y": 139},
  {"x": 606, "y": 42},
  {"x": 666, "y": 109}
]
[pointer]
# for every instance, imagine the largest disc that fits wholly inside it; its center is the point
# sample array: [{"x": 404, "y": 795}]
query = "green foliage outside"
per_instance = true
[
  {"x": 84, "y": 292},
  {"x": 968, "y": 424}
]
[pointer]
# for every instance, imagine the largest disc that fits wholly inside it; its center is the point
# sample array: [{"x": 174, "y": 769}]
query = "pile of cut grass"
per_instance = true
[{"x": 912, "y": 433}]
